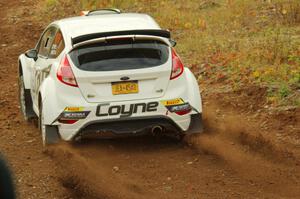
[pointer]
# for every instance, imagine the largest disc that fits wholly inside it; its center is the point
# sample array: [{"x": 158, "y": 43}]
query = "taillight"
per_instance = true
[
  {"x": 177, "y": 65},
  {"x": 65, "y": 73},
  {"x": 181, "y": 109},
  {"x": 183, "y": 112},
  {"x": 67, "y": 121}
]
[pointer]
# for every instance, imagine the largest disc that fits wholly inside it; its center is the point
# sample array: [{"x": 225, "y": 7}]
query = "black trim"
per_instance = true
[
  {"x": 126, "y": 126},
  {"x": 151, "y": 32},
  {"x": 105, "y": 11}
]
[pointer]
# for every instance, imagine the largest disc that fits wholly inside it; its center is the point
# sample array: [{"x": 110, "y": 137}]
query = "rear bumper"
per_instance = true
[
  {"x": 137, "y": 126},
  {"x": 113, "y": 116}
]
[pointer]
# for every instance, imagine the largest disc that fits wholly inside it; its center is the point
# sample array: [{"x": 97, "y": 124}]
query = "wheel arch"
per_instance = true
[
  {"x": 48, "y": 96},
  {"x": 51, "y": 134},
  {"x": 40, "y": 99},
  {"x": 20, "y": 68},
  {"x": 24, "y": 70},
  {"x": 193, "y": 90}
]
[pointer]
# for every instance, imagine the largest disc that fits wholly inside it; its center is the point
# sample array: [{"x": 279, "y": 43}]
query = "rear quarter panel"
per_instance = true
[{"x": 193, "y": 90}]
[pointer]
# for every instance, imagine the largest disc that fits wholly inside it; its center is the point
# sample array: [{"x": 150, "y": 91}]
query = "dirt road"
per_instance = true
[{"x": 232, "y": 160}]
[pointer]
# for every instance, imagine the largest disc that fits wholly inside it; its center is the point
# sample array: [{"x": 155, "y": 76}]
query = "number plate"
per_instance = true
[{"x": 119, "y": 88}]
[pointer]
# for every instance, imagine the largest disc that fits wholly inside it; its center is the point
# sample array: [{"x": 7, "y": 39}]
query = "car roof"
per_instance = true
[{"x": 82, "y": 25}]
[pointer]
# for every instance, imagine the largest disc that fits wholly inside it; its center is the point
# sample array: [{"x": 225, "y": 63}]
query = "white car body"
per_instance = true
[{"x": 92, "y": 100}]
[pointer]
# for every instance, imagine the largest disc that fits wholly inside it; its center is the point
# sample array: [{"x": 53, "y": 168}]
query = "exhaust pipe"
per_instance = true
[{"x": 156, "y": 130}]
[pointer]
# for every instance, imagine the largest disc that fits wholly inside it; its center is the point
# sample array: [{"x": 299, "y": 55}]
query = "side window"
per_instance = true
[
  {"x": 46, "y": 42},
  {"x": 57, "y": 46}
]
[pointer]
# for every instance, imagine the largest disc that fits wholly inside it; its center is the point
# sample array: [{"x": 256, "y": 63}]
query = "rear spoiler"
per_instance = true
[{"x": 150, "y": 32}]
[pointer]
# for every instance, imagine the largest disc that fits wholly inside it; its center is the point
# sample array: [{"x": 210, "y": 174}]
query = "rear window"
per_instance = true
[{"x": 120, "y": 54}]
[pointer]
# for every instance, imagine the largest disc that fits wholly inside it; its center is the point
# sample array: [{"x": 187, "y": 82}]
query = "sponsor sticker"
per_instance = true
[
  {"x": 74, "y": 109},
  {"x": 74, "y": 115},
  {"x": 180, "y": 107},
  {"x": 172, "y": 102},
  {"x": 125, "y": 110}
]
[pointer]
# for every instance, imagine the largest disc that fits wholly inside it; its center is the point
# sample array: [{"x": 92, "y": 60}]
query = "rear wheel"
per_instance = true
[
  {"x": 49, "y": 133},
  {"x": 25, "y": 101}
]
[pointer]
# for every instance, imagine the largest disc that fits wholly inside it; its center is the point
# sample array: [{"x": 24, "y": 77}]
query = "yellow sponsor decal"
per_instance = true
[
  {"x": 172, "y": 102},
  {"x": 74, "y": 109}
]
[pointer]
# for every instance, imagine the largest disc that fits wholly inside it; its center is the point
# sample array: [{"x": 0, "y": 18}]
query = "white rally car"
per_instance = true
[{"x": 107, "y": 73}]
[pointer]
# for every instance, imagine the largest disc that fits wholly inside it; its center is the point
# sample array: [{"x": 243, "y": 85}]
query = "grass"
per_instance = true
[{"x": 225, "y": 42}]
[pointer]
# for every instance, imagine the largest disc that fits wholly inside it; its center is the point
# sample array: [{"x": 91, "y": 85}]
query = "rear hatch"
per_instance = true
[{"x": 122, "y": 69}]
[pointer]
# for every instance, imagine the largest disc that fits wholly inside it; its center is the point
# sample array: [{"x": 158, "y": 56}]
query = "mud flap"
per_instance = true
[
  {"x": 29, "y": 110},
  {"x": 196, "y": 125},
  {"x": 52, "y": 135}
]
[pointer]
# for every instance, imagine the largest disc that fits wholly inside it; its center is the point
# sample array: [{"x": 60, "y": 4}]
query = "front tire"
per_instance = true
[{"x": 49, "y": 133}]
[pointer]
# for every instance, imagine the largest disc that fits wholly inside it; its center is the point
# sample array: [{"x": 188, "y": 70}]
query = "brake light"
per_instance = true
[
  {"x": 65, "y": 73},
  {"x": 177, "y": 65},
  {"x": 67, "y": 121},
  {"x": 183, "y": 112},
  {"x": 181, "y": 109}
]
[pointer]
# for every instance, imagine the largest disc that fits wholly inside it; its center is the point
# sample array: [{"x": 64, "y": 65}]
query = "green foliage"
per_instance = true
[
  {"x": 284, "y": 91},
  {"x": 51, "y": 3},
  {"x": 297, "y": 102}
]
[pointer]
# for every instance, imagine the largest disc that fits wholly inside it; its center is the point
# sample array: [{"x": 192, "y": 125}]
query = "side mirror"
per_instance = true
[
  {"x": 173, "y": 42},
  {"x": 32, "y": 54}
]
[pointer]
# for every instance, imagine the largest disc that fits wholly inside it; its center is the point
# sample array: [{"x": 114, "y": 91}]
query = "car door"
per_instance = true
[{"x": 42, "y": 62}]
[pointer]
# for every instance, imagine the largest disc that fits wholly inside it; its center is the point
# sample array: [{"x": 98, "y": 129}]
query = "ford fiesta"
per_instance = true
[{"x": 107, "y": 73}]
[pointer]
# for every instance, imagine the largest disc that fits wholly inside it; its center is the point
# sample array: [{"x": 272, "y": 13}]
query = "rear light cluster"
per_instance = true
[
  {"x": 68, "y": 117},
  {"x": 181, "y": 109},
  {"x": 183, "y": 112},
  {"x": 65, "y": 121},
  {"x": 65, "y": 73},
  {"x": 177, "y": 65}
]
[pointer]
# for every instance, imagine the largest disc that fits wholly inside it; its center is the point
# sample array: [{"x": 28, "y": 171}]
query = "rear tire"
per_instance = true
[
  {"x": 25, "y": 101},
  {"x": 49, "y": 133}
]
